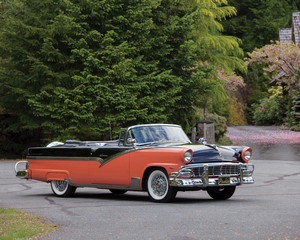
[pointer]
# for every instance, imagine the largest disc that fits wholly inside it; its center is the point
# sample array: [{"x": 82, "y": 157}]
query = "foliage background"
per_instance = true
[
  {"x": 69, "y": 68},
  {"x": 73, "y": 69}
]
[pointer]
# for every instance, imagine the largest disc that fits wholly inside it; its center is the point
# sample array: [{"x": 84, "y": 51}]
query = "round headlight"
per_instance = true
[
  {"x": 187, "y": 156},
  {"x": 247, "y": 155}
]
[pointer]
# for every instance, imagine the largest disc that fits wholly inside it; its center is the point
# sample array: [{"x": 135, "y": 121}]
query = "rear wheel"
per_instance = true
[
  {"x": 62, "y": 188},
  {"x": 221, "y": 193},
  {"x": 158, "y": 186},
  {"x": 116, "y": 191}
]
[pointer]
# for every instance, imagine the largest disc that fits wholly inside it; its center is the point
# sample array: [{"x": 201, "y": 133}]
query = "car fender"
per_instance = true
[
  {"x": 46, "y": 175},
  {"x": 59, "y": 175},
  {"x": 169, "y": 167}
]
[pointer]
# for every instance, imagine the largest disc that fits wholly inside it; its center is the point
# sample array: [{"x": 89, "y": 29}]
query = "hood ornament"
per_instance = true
[{"x": 213, "y": 146}]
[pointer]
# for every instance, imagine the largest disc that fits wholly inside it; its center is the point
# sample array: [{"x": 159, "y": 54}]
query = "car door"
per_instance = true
[{"x": 111, "y": 167}]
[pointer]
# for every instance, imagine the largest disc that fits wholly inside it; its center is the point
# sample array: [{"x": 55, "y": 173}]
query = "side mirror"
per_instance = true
[
  {"x": 131, "y": 141},
  {"x": 202, "y": 141}
]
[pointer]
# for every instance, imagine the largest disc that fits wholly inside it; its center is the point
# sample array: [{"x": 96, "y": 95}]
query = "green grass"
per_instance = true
[{"x": 16, "y": 224}]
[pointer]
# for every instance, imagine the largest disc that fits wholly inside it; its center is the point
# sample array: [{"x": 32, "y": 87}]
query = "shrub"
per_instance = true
[
  {"x": 224, "y": 141},
  {"x": 296, "y": 110},
  {"x": 220, "y": 125},
  {"x": 237, "y": 112},
  {"x": 269, "y": 112},
  {"x": 254, "y": 100}
]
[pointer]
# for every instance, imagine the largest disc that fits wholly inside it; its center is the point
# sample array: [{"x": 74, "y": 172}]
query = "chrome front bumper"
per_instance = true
[{"x": 212, "y": 175}]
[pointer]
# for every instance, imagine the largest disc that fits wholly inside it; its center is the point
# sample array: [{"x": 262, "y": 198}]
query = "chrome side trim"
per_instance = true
[
  {"x": 112, "y": 157},
  {"x": 135, "y": 185},
  {"x": 64, "y": 158},
  {"x": 101, "y": 160}
]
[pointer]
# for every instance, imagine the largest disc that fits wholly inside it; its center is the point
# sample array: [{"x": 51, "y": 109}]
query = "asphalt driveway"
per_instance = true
[
  {"x": 268, "y": 209},
  {"x": 268, "y": 143}
]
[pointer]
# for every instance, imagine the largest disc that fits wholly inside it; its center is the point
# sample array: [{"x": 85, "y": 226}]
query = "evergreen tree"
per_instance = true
[
  {"x": 74, "y": 66},
  {"x": 257, "y": 22},
  {"x": 218, "y": 49}
]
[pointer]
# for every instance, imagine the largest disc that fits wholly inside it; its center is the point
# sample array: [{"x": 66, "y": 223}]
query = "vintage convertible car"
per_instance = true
[{"x": 157, "y": 158}]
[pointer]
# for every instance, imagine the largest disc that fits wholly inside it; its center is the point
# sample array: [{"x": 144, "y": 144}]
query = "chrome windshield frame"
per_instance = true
[{"x": 182, "y": 137}]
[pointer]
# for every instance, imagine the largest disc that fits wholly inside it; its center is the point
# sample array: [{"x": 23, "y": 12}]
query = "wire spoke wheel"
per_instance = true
[
  {"x": 61, "y": 185},
  {"x": 62, "y": 188},
  {"x": 158, "y": 186}
]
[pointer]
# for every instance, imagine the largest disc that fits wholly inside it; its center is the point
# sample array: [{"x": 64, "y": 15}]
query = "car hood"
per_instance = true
[
  {"x": 205, "y": 153},
  {"x": 211, "y": 153}
]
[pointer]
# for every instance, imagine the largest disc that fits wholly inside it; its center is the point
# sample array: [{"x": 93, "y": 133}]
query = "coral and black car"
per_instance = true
[{"x": 157, "y": 158}]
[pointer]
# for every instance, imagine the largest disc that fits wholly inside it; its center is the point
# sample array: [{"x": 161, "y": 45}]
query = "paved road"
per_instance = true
[
  {"x": 268, "y": 143},
  {"x": 269, "y": 209}
]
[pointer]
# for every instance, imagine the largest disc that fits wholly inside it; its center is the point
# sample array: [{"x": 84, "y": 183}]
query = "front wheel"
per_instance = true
[
  {"x": 62, "y": 188},
  {"x": 158, "y": 187},
  {"x": 221, "y": 193}
]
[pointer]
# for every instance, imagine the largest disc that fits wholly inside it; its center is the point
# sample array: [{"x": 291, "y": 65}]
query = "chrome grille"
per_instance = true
[{"x": 217, "y": 170}]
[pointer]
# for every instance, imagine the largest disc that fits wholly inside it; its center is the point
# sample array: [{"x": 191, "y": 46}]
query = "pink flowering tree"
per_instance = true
[
  {"x": 282, "y": 59},
  {"x": 230, "y": 81},
  {"x": 282, "y": 62}
]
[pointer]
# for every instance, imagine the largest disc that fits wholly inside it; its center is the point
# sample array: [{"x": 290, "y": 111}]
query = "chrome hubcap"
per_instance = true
[
  {"x": 159, "y": 185},
  {"x": 60, "y": 185}
]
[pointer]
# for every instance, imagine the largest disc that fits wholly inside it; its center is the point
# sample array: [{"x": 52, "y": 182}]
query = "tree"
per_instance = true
[
  {"x": 74, "y": 66},
  {"x": 257, "y": 22},
  {"x": 218, "y": 85},
  {"x": 219, "y": 50},
  {"x": 282, "y": 62}
]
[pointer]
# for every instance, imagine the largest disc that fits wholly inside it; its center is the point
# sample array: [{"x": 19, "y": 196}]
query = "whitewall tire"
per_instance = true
[
  {"x": 158, "y": 186},
  {"x": 62, "y": 188}
]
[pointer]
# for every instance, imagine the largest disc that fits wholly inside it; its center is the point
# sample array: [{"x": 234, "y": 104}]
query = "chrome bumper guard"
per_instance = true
[
  {"x": 23, "y": 173},
  {"x": 192, "y": 176}
]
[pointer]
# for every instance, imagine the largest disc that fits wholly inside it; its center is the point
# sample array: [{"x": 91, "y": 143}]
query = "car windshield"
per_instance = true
[{"x": 158, "y": 133}]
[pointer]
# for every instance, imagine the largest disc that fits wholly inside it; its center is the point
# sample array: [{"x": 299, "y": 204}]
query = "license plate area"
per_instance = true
[{"x": 224, "y": 180}]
